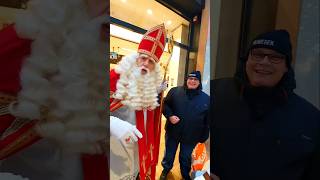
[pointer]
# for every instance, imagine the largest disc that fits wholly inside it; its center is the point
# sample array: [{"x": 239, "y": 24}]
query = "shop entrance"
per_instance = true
[{"x": 129, "y": 21}]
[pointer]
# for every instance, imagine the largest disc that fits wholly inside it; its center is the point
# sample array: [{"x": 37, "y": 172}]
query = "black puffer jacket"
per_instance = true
[
  {"x": 261, "y": 133},
  {"x": 191, "y": 106}
]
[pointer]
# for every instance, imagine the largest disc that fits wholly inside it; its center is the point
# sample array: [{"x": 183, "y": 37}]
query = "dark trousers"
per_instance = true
[{"x": 184, "y": 156}]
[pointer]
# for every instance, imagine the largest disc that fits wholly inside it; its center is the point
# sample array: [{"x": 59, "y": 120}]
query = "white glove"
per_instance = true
[
  {"x": 163, "y": 86},
  {"x": 124, "y": 131}
]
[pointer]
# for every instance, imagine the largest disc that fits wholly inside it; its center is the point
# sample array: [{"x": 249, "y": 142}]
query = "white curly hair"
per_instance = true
[
  {"x": 134, "y": 89},
  {"x": 64, "y": 74}
]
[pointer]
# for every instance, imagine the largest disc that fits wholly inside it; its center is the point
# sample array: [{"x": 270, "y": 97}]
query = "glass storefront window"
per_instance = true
[
  {"x": 126, "y": 34},
  {"x": 146, "y": 14}
]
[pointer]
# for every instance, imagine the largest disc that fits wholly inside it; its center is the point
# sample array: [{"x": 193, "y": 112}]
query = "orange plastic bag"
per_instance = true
[{"x": 199, "y": 157}]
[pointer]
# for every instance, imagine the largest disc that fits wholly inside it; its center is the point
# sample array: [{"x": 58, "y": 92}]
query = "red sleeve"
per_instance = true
[
  {"x": 114, "y": 77},
  {"x": 18, "y": 140},
  {"x": 95, "y": 167},
  {"x": 13, "y": 51}
]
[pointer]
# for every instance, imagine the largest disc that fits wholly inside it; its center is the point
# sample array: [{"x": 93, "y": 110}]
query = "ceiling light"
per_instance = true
[
  {"x": 169, "y": 22},
  {"x": 149, "y": 11},
  {"x": 124, "y": 1}
]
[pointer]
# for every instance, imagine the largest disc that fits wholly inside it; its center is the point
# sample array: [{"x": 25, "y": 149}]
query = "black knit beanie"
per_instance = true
[
  {"x": 278, "y": 40},
  {"x": 197, "y": 75}
]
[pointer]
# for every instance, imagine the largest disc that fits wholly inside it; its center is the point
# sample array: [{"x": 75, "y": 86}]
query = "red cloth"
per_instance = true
[
  {"x": 13, "y": 51},
  {"x": 114, "y": 77},
  {"x": 95, "y": 167},
  {"x": 6, "y": 121},
  {"x": 149, "y": 143},
  {"x": 18, "y": 140},
  {"x": 114, "y": 104}
]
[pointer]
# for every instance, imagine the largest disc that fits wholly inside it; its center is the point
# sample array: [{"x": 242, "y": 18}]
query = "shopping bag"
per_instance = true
[{"x": 199, "y": 157}]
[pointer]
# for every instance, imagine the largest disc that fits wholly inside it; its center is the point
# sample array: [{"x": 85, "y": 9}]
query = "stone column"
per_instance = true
[{"x": 307, "y": 66}]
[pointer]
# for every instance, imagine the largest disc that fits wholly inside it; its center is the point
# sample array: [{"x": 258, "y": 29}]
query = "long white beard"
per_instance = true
[
  {"x": 64, "y": 74},
  {"x": 134, "y": 89}
]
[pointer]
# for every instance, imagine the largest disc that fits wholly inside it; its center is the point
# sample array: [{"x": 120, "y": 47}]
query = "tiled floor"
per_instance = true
[{"x": 175, "y": 171}]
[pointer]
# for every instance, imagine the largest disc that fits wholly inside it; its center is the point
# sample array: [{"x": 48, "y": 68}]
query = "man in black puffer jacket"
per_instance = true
[
  {"x": 186, "y": 110},
  {"x": 261, "y": 129}
]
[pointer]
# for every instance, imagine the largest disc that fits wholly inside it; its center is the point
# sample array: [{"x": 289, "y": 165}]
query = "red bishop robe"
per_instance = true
[{"x": 149, "y": 143}]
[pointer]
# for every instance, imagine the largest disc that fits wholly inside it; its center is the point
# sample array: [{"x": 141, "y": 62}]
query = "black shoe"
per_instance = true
[
  {"x": 163, "y": 175},
  {"x": 187, "y": 178}
]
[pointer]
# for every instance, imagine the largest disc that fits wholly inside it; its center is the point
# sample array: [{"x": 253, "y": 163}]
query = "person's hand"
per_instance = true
[
  {"x": 214, "y": 177},
  {"x": 206, "y": 176},
  {"x": 163, "y": 86},
  {"x": 174, "y": 119},
  {"x": 124, "y": 131}
]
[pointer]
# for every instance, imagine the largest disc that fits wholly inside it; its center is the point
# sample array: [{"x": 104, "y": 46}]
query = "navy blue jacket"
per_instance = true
[
  {"x": 275, "y": 140},
  {"x": 193, "y": 126}
]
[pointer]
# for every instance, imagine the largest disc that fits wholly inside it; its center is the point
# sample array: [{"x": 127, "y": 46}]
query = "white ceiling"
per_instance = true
[{"x": 136, "y": 12}]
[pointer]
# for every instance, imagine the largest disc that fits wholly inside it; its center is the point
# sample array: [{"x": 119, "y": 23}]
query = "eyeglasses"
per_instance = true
[
  {"x": 273, "y": 58},
  {"x": 193, "y": 79}
]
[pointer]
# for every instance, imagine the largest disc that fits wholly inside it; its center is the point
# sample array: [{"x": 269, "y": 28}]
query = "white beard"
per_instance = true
[
  {"x": 64, "y": 74},
  {"x": 134, "y": 89}
]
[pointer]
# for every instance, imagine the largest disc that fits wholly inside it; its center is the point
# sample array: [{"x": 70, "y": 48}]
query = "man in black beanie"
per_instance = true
[
  {"x": 186, "y": 110},
  {"x": 261, "y": 129}
]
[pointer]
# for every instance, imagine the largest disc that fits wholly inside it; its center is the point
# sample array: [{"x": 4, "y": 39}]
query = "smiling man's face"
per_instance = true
[{"x": 265, "y": 67}]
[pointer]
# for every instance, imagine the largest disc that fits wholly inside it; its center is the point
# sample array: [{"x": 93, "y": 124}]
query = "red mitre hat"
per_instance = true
[{"x": 153, "y": 42}]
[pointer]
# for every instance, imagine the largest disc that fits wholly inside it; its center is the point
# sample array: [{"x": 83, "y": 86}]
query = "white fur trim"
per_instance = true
[
  {"x": 64, "y": 73},
  {"x": 26, "y": 109}
]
